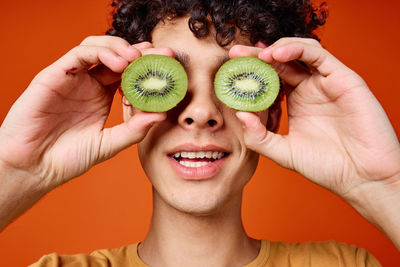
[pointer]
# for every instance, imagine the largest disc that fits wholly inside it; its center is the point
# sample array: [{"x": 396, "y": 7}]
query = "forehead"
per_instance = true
[{"x": 176, "y": 35}]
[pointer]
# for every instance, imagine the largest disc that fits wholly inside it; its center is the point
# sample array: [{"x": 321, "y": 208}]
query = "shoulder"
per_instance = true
[
  {"x": 56, "y": 260},
  {"x": 329, "y": 253},
  {"x": 98, "y": 258}
]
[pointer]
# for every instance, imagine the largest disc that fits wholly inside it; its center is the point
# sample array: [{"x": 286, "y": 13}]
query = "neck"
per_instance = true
[{"x": 177, "y": 238}]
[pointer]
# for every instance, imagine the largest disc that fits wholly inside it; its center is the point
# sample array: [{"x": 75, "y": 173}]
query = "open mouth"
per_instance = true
[{"x": 198, "y": 159}]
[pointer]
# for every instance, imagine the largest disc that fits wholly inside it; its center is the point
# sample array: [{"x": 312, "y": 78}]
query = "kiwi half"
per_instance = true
[
  {"x": 246, "y": 83},
  {"x": 154, "y": 83}
]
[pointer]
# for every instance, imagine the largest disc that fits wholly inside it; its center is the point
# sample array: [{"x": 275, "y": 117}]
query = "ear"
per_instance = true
[{"x": 274, "y": 116}]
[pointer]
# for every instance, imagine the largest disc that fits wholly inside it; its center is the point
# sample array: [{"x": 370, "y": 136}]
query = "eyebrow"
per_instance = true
[{"x": 184, "y": 59}]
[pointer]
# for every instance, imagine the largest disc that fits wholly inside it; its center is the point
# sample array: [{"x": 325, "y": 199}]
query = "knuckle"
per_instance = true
[
  {"x": 314, "y": 42},
  {"x": 77, "y": 50},
  {"x": 81, "y": 52},
  {"x": 284, "y": 40},
  {"x": 117, "y": 39},
  {"x": 74, "y": 51},
  {"x": 311, "y": 41},
  {"x": 114, "y": 41},
  {"x": 89, "y": 40}
]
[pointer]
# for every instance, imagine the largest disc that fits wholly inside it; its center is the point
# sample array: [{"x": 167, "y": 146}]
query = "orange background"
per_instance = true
[{"x": 111, "y": 205}]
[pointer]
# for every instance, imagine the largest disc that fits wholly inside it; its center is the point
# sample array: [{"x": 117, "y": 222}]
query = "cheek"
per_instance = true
[
  {"x": 151, "y": 147},
  {"x": 142, "y": 152},
  {"x": 248, "y": 158},
  {"x": 148, "y": 157},
  {"x": 244, "y": 155},
  {"x": 148, "y": 145}
]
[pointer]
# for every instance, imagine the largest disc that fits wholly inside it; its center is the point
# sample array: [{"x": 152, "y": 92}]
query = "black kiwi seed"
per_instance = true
[
  {"x": 154, "y": 83},
  {"x": 246, "y": 83}
]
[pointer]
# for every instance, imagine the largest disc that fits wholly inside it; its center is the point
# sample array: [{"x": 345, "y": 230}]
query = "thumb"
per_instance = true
[
  {"x": 257, "y": 138},
  {"x": 126, "y": 134}
]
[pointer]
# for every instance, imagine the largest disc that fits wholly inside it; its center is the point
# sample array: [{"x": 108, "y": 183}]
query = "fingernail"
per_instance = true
[{"x": 261, "y": 44}]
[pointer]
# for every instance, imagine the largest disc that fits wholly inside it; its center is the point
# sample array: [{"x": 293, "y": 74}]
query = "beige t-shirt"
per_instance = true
[{"x": 271, "y": 254}]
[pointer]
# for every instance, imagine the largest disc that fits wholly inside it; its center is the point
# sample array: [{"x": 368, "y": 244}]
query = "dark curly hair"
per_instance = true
[{"x": 260, "y": 20}]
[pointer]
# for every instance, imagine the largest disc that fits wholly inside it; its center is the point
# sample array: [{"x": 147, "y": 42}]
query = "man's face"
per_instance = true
[{"x": 197, "y": 160}]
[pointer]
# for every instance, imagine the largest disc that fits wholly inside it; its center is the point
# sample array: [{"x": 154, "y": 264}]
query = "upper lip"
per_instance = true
[{"x": 188, "y": 147}]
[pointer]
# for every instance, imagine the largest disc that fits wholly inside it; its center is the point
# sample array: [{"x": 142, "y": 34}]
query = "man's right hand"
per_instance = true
[{"x": 55, "y": 130}]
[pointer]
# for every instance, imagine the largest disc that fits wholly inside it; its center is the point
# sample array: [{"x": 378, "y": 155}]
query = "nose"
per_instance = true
[{"x": 202, "y": 111}]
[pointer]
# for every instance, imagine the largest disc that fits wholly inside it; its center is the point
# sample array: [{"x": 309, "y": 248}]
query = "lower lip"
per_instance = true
[{"x": 197, "y": 173}]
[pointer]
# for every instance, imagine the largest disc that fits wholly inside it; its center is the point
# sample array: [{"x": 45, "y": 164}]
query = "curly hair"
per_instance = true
[{"x": 260, "y": 20}]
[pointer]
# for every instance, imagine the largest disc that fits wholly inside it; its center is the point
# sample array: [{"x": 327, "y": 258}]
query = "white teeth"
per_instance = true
[
  {"x": 194, "y": 164},
  {"x": 215, "y": 155},
  {"x": 199, "y": 155}
]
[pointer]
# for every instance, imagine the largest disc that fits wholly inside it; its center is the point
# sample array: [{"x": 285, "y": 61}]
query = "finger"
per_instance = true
[
  {"x": 293, "y": 73},
  {"x": 104, "y": 75},
  {"x": 107, "y": 40},
  {"x": 288, "y": 40},
  {"x": 116, "y": 44},
  {"x": 126, "y": 134},
  {"x": 309, "y": 52},
  {"x": 83, "y": 57},
  {"x": 159, "y": 51},
  {"x": 107, "y": 77},
  {"x": 269, "y": 144},
  {"x": 244, "y": 51}
]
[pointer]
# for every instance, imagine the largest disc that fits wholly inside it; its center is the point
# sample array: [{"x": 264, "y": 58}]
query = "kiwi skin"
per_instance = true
[
  {"x": 250, "y": 70},
  {"x": 156, "y": 70}
]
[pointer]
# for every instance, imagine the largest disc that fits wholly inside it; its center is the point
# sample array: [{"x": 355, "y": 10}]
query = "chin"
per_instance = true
[
  {"x": 199, "y": 203},
  {"x": 198, "y": 208}
]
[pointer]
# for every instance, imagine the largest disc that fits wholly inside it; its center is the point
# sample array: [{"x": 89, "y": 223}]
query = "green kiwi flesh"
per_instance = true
[
  {"x": 154, "y": 83},
  {"x": 246, "y": 83}
]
